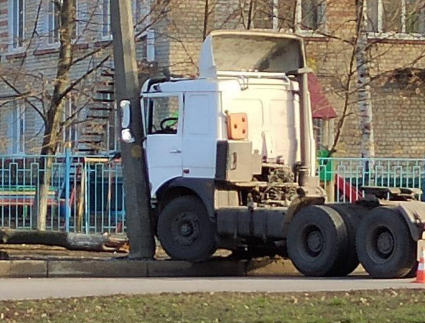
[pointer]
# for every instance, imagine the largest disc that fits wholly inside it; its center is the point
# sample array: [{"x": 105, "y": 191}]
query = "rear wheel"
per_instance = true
[
  {"x": 186, "y": 231},
  {"x": 348, "y": 259},
  {"x": 384, "y": 245},
  {"x": 317, "y": 238}
]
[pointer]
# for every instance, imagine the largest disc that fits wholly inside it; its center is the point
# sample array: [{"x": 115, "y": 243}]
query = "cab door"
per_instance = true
[
  {"x": 164, "y": 137},
  {"x": 200, "y": 134}
]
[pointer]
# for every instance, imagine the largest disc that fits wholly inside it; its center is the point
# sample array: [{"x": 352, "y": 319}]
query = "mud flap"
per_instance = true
[{"x": 414, "y": 214}]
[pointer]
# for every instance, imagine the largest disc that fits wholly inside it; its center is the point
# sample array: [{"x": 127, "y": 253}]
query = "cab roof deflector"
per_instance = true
[{"x": 224, "y": 52}]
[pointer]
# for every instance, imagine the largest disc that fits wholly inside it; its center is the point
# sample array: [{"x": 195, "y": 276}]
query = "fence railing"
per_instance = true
[
  {"x": 86, "y": 193},
  {"x": 349, "y": 175}
]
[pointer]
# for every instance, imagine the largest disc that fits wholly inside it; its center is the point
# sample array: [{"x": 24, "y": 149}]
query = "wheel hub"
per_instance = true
[
  {"x": 185, "y": 229},
  {"x": 385, "y": 243},
  {"x": 315, "y": 242}
]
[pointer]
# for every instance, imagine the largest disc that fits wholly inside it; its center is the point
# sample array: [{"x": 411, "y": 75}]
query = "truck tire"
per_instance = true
[
  {"x": 384, "y": 245},
  {"x": 348, "y": 260},
  {"x": 186, "y": 231},
  {"x": 316, "y": 240}
]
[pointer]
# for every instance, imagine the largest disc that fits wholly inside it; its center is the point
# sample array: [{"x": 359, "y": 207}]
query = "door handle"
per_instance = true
[{"x": 175, "y": 151}]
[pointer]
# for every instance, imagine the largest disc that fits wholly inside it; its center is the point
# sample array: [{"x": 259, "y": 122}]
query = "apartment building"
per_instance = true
[
  {"x": 29, "y": 47},
  {"x": 395, "y": 51}
]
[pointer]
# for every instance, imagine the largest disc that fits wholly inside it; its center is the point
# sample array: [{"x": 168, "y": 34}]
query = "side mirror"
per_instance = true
[
  {"x": 125, "y": 113},
  {"x": 126, "y": 134}
]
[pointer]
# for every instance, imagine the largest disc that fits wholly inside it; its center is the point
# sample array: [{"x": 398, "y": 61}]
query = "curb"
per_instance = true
[
  {"x": 23, "y": 269},
  {"x": 135, "y": 269}
]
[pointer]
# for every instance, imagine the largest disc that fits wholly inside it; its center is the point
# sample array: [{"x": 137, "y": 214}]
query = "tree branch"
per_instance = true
[
  {"x": 21, "y": 95},
  {"x": 81, "y": 78}
]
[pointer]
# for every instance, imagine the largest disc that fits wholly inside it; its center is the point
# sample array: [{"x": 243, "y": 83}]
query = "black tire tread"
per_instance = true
[
  {"x": 348, "y": 261},
  {"x": 204, "y": 247},
  {"x": 336, "y": 236},
  {"x": 402, "y": 262}
]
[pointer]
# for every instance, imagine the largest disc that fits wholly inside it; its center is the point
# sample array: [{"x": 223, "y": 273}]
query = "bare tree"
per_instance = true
[
  {"x": 50, "y": 94},
  {"x": 367, "y": 149}
]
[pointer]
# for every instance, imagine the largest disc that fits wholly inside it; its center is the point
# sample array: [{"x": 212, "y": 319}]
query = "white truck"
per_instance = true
[{"x": 231, "y": 159}]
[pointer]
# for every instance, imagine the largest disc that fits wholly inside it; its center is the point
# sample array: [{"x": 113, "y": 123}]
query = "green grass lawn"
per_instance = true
[{"x": 372, "y": 306}]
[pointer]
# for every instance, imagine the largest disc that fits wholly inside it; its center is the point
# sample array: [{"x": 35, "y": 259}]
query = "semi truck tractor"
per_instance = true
[{"x": 232, "y": 164}]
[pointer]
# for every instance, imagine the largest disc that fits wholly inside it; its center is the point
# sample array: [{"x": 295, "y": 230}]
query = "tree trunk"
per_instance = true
[
  {"x": 80, "y": 201},
  {"x": 54, "y": 114},
  {"x": 363, "y": 84},
  {"x": 206, "y": 19},
  {"x": 250, "y": 15},
  {"x": 70, "y": 241},
  {"x": 43, "y": 194}
]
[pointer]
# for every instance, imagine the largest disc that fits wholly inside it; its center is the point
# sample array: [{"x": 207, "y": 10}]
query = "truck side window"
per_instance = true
[{"x": 163, "y": 115}]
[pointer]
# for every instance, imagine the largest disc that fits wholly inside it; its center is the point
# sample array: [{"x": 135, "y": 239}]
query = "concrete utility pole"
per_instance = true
[{"x": 136, "y": 183}]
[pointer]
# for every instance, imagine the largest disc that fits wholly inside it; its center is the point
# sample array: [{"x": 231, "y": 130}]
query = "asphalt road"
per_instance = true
[{"x": 14, "y": 289}]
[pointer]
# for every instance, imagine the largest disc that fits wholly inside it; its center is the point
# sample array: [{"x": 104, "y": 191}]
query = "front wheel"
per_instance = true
[
  {"x": 384, "y": 245},
  {"x": 186, "y": 231}
]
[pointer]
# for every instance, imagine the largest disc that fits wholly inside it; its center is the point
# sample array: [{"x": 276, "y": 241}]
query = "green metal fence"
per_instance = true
[
  {"x": 85, "y": 193},
  {"x": 348, "y": 175}
]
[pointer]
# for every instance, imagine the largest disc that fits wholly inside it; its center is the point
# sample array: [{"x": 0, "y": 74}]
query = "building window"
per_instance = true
[
  {"x": 16, "y": 128},
  {"x": 270, "y": 14},
  {"x": 311, "y": 14},
  {"x": 286, "y": 14},
  {"x": 142, "y": 11},
  {"x": 54, "y": 22},
  {"x": 106, "y": 19},
  {"x": 70, "y": 124},
  {"x": 16, "y": 18},
  {"x": 396, "y": 16},
  {"x": 262, "y": 14},
  {"x": 136, "y": 11},
  {"x": 324, "y": 133}
]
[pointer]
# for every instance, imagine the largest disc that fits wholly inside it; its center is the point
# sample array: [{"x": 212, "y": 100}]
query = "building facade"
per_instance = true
[
  {"x": 170, "y": 34},
  {"x": 395, "y": 50},
  {"x": 29, "y": 49}
]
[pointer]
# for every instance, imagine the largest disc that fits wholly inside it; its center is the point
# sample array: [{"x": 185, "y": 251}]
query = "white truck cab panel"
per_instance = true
[
  {"x": 200, "y": 134},
  {"x": 273, "y": 117}
]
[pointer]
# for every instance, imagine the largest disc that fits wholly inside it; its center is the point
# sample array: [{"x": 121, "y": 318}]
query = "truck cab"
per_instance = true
[
  {"x": 239, "y": 135},
  {"x": 187, "y": 120}
]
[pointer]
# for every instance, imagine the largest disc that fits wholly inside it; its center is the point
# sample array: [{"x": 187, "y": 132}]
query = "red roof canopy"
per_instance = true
[{"x": 320, "y": 106}]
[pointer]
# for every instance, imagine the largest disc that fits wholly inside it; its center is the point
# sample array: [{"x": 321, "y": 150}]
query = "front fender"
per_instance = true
[{"x": 203, "y": 188}]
